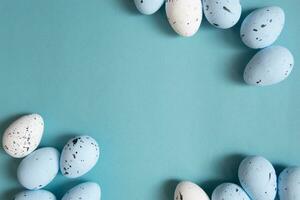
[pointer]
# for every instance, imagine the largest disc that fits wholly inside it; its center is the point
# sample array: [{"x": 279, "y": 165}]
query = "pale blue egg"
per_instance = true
[
  {"x": 84, "y": 191},
  {"x": 148, "y": 7},
  {"x": 229, "y": 191},
  {"x": 35, "y": 195},
  {"x": 289, "y": 184},
  {"x": 258, "y": 178},
  {"x": 39, "y": 168}
]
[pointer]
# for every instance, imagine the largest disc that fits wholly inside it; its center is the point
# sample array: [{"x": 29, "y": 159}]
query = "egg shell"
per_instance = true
[
  {"x": 84, "y": 191},
  {"x": 148, "y": 7},
  {"x": 79, "y": 156},
  {"x": 184, "y": 16},
  {"x": 258, "y": 178},
  {"x": 289, "y": 184},
  {"x": 269, "y": 66},
  {"x": 222, "y": 14},
  {"x": 229, "y": 191},
  {"x": 23, "y": 136},
  {"x": 189, "y": 191},
  {"x": 262, "y": 27},
  {"x": 39, "y": 168},
  {"x": 35, "y": 195}
]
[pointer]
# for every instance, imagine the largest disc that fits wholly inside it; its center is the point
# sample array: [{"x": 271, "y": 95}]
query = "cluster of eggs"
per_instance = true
[
  {"x": 260, "y": 29},
  {"x": 258, "y": 181},
  {"x": 40, "y": 166}
]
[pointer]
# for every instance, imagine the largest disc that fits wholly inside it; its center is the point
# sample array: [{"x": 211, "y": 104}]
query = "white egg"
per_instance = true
[
  {"x": 229, "y": 191},
  {"x": 289, "y": 184},
  {"x": 84, "y": 191},
  {"x": 35, "y": 195},
  {"x": 189, "y": 191},
  {"x": 23, "y": 136},
  {"x": 184, "y": 16},
  {"x": 148, "y": 7}
]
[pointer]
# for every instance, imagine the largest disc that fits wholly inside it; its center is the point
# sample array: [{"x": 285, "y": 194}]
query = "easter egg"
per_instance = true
[
  {"x": 35, "y": 195},
  {"x": 39, "y": 168},
  {"x": 148, "y": 7},
  {"x": 229, "y": 191},
  {"x": 269, "y": 66},
  {"x": 262, "y": 27},
  {"x": 184, "y": 16},
  {"x": 79, "y": 156},
  {"x": 189, "y": 191},
  {"x": 222, "y": 13},
  {"x": 23, "y": 136},
  {"x": 84, "y": 191},
  {"x": 289, "y": 184},
  {"x": 258, "y": 178}
]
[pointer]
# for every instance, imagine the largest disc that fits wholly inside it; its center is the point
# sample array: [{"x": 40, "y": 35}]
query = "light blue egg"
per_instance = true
[
  {"x": 222, "y": 13},
  {"x": 289, "y": 184},
  {"x": 262, "y": 27},
  {"x": 148, "y": 7},
  {"x": 269, "y": 66},
  {"x": 79, "y": 156},
  {"x": 229, "y": 191},
  {"x": 258, "y": 178},
  {"x": 84, "y": 191},
  {"x": 39, "y": 168},
  {"x": 35, "y": 195}
]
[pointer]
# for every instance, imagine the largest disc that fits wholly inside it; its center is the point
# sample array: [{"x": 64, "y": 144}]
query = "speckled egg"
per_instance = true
[
  {"x": 35, "y": 195},
  {"x": 258, "y": 178},
  {"x": 289, "y": 184},
  {"x": 39, "y": 168},
  {"x": 23, "y": 136},
  {"x": 269, "y": 66},
  {"x": 262, "y": 27},
  {"x": 229, "y": 191},
  {"x": 84, "y": 191},
  {"x": 186, "y": 190},
  {"x": 79, "y": 156},
  {"x": 148, "y": 7},
  {"x": 184, "y": 16},
  {"x": 222, "y": 13}
]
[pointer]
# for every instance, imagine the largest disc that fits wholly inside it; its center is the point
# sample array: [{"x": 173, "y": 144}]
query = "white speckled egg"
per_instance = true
[
  {"x": 229, "y": 191},
  {"x": 39, "y": 168},
  {"x": 23, "y": 136},
  {"x": 186, "y": 190},
  {"x": 262, "y": 27},
  {"x": 258, "y": 178},
  {"x": 289, "y": 184},
  {"x": 184, "y": 16},
  {"x": 148, "y": 7},
  {"x": 79, "y": 156},
  {"x": 84, "y": 191},
  {"x": 35, "y": 195},
  {"x": 269, "y": 66},
  {"x": 222, "y": 13}
]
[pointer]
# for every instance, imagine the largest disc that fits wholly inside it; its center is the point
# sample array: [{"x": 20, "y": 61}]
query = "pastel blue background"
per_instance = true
[{"x": 162, "y": 107}]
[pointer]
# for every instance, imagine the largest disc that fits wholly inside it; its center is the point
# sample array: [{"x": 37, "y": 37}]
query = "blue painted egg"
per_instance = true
[
  {"x": 35, "y": 195},
  {"x": 148, "y": 7},
  {"x": 289, "y": 184},
  {"x": 229, "y": 191},
  {"x": 84, "y": 191}
]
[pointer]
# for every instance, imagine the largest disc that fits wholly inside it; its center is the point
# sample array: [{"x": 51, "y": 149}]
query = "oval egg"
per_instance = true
[
  {"x": 35, "y": 195},
  {"x": 39, "y": 168},
  {"x": 84, "y": 191},
  {"x": 289, "y": 184},
  {"x": 189, "y": 191},
  {"x": 269, "y": 66},
  {"x": 23, "y": 136},
  {"x": 229, "y": 191},
  {"x": 184, "y": 16},
  {"x": 262, "y": 27},
  {"x": 148, "y": 7}
]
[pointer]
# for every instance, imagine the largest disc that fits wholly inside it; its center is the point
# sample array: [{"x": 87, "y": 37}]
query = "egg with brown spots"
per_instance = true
[{"x": 187, "y": 190}]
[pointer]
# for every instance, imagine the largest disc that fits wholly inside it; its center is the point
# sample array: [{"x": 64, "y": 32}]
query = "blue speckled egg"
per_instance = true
[
  {"x": 84, "y": 191},
  {"x": 222, "y": 13},
  {"x": 39, "y": 168},
  {"x": 262, "y": 27},
  {"x": 289, "y": 184},
  {"x": 258, "y": 178},
  {"x": 269, "y": 66},
  {"x": 229, "y": 191},
  {"x": 35, "y": 195},
  {"x": 148, "y": 7},
  {"x": 79, "y": 156}
]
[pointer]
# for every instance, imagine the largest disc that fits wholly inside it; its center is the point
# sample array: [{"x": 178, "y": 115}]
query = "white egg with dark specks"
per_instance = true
[
  {"x": 222, "y": 13},
  {"x": 262, "y": 27},
  {"x": 186, "y": 190},
  {"x": 229, "y": 191},
  {"x": 289, "y": 184},
  {"x": 269, "y": 66},
  {"x": 184, "y": 16},
  {"x": 258, "y": 178},
  {"x": 84, "y": 191},
  {"x": 148, "y": 7},
  {"x": 35, "y": 195},
  {"x": 39, "y": 168},
  {"x": 23, "y": 136},
  {"x": 79, "y": 156}
]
